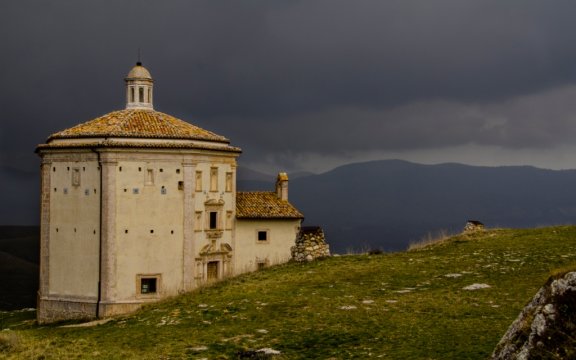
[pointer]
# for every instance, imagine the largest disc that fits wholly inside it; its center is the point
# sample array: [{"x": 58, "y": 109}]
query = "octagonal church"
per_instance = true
[{"x": 137, "y": 205}]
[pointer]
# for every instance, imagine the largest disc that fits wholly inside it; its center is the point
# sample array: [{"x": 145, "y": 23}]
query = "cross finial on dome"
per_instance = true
[{"x": 139, "y": 86}]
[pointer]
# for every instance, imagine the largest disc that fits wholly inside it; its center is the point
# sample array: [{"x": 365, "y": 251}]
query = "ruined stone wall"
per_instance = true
[
  {"x": 310, "y": 245},
  {"x": 473, "y": 226}
]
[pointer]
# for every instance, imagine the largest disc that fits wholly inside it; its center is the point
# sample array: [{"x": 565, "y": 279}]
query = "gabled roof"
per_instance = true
[
  {"x": 264, "y": 205},
  {"x": 138, "y": 123}
]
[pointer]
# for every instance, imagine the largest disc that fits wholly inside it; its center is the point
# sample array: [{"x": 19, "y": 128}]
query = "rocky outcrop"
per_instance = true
[
  {"x": 545, "y": 328},
  {"x": 310, "y": 244}
]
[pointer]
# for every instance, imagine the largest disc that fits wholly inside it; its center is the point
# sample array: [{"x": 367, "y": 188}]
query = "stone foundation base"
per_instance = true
[
  {"x": 58, "y": 310},
  {"x": 53, "y": 310},
  {"x": 107, "y": 310}
]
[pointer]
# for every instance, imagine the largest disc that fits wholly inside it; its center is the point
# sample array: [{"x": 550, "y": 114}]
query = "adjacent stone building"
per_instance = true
[{"x": 138, "y": 205}]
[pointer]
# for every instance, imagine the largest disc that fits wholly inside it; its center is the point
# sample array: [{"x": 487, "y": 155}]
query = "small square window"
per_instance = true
[
  {"x": 148, "y": 285},
  {"x": 262, "y": 235}
]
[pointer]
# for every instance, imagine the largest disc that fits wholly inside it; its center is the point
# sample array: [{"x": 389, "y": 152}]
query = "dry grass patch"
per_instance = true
[
  {"x": 9, "y": 342},
  {"x": 430, "y": 239}
]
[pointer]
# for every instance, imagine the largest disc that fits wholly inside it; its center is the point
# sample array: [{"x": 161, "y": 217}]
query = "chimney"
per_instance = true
[{"x": 282, "y": 186}]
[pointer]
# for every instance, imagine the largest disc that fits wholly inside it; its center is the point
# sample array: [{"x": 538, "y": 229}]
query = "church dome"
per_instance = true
[
  {"x": 139, "y": 72},
  {"x": 138, "y": 126}
]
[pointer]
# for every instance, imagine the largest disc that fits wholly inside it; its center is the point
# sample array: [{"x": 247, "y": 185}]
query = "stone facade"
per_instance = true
[{"x": 310, "y": 245}]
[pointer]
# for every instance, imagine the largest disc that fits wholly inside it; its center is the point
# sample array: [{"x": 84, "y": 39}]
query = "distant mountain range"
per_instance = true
[
  {"x": 383, "y": 204},
  {"x": 388, "y": 204}
]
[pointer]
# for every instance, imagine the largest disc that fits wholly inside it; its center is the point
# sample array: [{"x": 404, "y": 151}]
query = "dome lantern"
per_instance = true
[{"x": 139, "y": 86}]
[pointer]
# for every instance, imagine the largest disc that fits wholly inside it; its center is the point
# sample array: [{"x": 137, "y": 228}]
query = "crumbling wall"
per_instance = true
[
  {"x": 310, "y": 244},
  {"x": 473, "y": 226}
]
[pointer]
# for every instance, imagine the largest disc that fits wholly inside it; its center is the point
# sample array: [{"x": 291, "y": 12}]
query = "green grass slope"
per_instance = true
[{"x": 410, "y": 305}]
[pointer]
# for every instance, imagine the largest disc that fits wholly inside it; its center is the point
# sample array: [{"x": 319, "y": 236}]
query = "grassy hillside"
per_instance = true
[{"x": 410, "y": 305}]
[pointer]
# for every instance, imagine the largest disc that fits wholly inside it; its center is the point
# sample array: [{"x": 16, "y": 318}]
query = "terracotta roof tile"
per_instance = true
[
  {"x": 138, "y": 123},
  {"x": 264, "y": 205}
]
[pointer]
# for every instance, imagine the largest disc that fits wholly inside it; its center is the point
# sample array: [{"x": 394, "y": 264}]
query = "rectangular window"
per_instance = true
[
  {"x": 214, "y": 179},
  {"x": 228, "y": 182},
  {"x": 141, "y": 94},
  {"x": 261, "y": 265},
  {"x": 262, "y": 235},
  {"x": 131, "y": 94},
  {"x": 213, "y": 220},
  {"x": 198, "y": 180},
  {"x": 148, "y": 285}
]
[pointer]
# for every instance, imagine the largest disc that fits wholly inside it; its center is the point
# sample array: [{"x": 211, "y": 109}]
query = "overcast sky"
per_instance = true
[{"x": 305, "y": 85}]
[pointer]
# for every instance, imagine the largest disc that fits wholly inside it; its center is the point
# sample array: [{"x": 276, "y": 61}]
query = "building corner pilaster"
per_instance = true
[
  {"x": 108, "y": 231},
  {"x": 45, "y": 194},
  {"x": 188, "y": 255}
]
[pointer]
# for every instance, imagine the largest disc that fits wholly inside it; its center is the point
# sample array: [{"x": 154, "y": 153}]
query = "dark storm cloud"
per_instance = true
[{"x": 290, "y": 77}]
